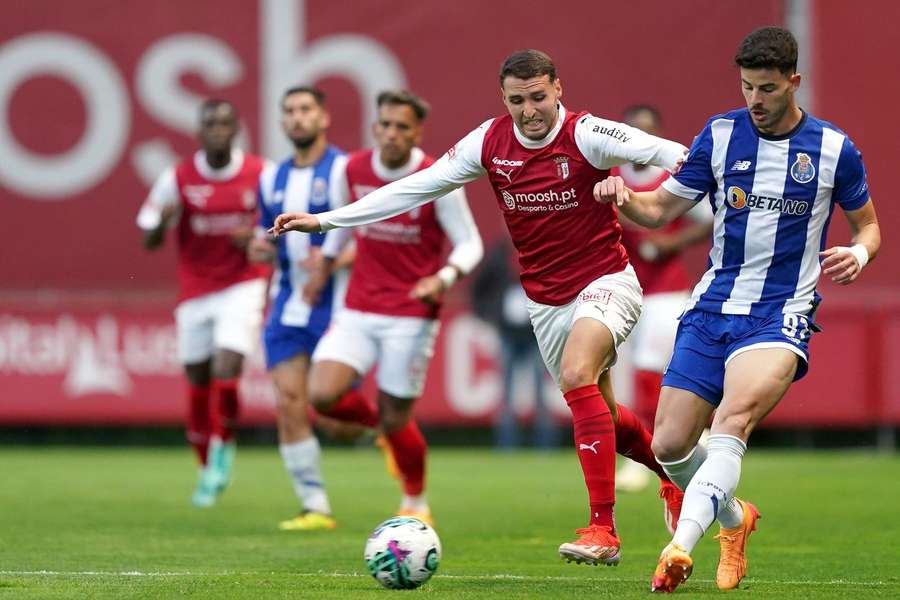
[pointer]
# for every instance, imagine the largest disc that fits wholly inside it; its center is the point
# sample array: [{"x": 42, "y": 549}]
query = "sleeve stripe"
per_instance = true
[{"x": 682, "y": 191}]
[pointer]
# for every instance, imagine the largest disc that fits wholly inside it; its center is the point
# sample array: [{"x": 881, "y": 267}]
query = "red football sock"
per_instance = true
[
  {"x": 198, "y": 425},
  {"x": 646, "y": 395},
  {"x": 408, "y": 446},
  {"x": 227, "y": 408},
  {"x": 595, "y": 440},
  {"x": 354, "y": 407},
  {"x": 633, "y": 440}
]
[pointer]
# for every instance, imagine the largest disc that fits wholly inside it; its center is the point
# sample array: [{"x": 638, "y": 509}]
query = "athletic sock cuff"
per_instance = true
[
  {"x": 680, "y": 461},
  {"x": 226, "y": 384},
  {"x": 586, "y": 403},
  {"x": 720, "y": 442}
]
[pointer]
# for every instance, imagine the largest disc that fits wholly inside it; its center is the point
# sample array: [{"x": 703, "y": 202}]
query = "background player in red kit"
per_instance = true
[
  {"x": 394, "y": 295},
  {"x": 656, "y": 256},
  {"x": 212, "y": 195},
  {"x": 584, "y": 298}
]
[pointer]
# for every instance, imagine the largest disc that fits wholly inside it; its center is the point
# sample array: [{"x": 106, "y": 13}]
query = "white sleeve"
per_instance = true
[
  {"x": 456, "y": 220},
  {"x": 606, "y": 144},
  {"x": 163, "y": 193},
  {"x": 335, "y": 241},
  {"x": 460, "y": 165},
  {"x": 264, "y": 199}
]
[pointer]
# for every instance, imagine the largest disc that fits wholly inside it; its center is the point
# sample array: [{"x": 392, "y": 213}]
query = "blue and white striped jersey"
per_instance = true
[
  {"x": 313, "y": 189},
  {"x": 773, "y": 198}
]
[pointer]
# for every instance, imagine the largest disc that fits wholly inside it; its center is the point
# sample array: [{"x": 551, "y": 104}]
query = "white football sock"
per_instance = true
[
  {"x": 682, "y": 471},
  {"x": 710, "y": 492},
  {"x": 301, "y": 460},
  {"x": 414, "y": 503}
]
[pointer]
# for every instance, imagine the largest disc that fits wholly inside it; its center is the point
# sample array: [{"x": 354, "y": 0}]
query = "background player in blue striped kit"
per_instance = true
[{"x": 774, "y": 174}]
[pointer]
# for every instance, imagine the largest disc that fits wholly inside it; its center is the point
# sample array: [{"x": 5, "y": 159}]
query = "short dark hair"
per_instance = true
[
  {"x": 214, "y": 103},
  {"x": 631, "y": 111},
  {"x": 525, "y": 64},
  {"x": 768, "y": 48},
  {"x": 313, "y": 91},
  {"x": 405, "y": 98}
]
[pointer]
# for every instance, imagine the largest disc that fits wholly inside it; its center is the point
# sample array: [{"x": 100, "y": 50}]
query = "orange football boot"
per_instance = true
[
  {"x": 732, "y": 548},
  {"x": 672, "y": 497},
  {"x": 597, "y": 545},
  {"x": 675, "y": 566}
]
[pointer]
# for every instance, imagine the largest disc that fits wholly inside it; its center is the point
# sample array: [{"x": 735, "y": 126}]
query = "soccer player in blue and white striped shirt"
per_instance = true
[{"x": 773, "y": 174}]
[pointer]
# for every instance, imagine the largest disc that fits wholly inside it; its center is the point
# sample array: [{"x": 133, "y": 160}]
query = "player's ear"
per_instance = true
[
  {"x": 795, "y": 80},
  {"x": 558, "y": 87}
]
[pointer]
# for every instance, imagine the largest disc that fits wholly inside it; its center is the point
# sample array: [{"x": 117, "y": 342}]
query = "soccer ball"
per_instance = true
[{"x": 403, "y": 553}]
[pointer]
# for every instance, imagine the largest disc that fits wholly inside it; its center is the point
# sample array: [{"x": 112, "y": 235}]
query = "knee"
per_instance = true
[
  {"x": 738, "y": 424},
  {"x": 574, "y": 376},
  {"x": 226, "y": 372},
  {"x": 227, "y": 365},
  {"x": 668, "y": 446},
  {"x": 393, "y": 420},
  {"x": 289, "y": 399},
  {"x": 321, "y": 396}
]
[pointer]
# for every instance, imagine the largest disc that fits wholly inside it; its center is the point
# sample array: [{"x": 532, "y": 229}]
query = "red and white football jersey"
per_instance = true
[
  {"x": 564, "y": 238},
  {"x": 392, "y": 255},
  {"x": 212, "y": 204},
  {"x": 544, "y": 188}
]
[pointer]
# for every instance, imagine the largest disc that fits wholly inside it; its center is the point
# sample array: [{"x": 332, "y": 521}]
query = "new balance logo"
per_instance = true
[
  {"x": 500, "y": 171},
  {"x": 591, "y": 447},
  {"x": 741, "y": 165}
]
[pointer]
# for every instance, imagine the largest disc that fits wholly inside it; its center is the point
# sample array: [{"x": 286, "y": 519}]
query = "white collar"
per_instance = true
[
  {"x": 415, "y": 159},
  {"x": 225, "y": 173},
  {"x": 547, "y": 139}
]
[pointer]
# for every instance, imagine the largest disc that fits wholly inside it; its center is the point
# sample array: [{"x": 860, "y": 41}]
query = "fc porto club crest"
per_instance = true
[
  {"x": 803, "y": 171},
  {"x": 562, "y": 166},
  {"x": 319, "y": 191}
]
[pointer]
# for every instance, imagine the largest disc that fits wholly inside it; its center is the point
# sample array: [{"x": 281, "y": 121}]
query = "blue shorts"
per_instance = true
[
  {"x": 707, "y": 341},
  {"x": 283, "y": 342}
]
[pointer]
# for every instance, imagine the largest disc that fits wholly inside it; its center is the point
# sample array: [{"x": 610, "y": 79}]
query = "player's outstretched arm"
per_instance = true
[
  {"x": 649, "y": 209},
  {"x": 843, "y": 264},
  {"x": 303, "y": 222},
  {"x": 453, "y": 170}
]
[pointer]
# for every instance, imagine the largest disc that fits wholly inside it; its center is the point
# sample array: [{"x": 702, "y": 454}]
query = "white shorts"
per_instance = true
[
  {"x": 614, "y": 300},
  {"x": 402, "y": 346},
  {"x": 653, "y": 337},
  {"x": 229, "y": 319}
]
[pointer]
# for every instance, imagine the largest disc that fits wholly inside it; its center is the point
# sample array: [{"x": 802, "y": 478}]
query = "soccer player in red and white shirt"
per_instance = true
[
  {"x": 542, "y": 161},
  {"x": 656, "y": 256},
  {"x": 212, "y": 196},
  {"x": 394, "y": 294}
]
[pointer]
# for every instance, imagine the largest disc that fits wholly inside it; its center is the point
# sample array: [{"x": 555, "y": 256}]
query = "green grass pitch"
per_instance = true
[{"x": 108, "y": 523}]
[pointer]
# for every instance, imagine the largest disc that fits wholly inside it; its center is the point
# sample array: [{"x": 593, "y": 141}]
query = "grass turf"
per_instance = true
[{"x": 101, "y": 523}]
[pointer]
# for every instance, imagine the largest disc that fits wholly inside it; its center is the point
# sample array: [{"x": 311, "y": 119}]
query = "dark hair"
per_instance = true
[
  {"x": 768, "y": 48},
  {"x": 405, "y": 98},
  {"x": 214, "y": 103},
  {"x": 525, "y": 64},
  {"x": 635, "y": 109},
  {"x": 315, "y": 92}
]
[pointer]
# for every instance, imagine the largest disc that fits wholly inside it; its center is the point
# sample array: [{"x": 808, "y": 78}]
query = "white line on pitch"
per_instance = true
[{"x": 501, "y": 576}]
